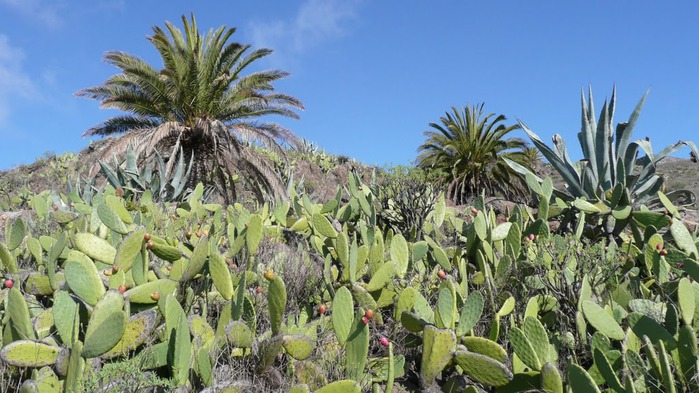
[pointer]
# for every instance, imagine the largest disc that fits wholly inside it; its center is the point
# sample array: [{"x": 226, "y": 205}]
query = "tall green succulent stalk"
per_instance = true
[{"x": 610, "y": 157}]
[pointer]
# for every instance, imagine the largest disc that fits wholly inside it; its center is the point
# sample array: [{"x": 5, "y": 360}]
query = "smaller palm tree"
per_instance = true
[{"x": 468, "y": 148}]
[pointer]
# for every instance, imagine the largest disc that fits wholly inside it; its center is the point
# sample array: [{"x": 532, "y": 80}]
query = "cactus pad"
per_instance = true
[
  {"x": 106, "y": 326},
  {"x": 239, "y": 334},
  {"x": 483, "y": 369},
  {"x": 95, "y": 247},
  {"x": 438, "y": 346},
  {"x": 26, "y": 353},
  {"x": 485, "y": 347},
  {"x": 298, "y": 346},
  {"x": 600, "y": 320}
]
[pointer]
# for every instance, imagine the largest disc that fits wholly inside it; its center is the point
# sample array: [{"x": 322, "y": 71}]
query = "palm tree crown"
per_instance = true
[
  {"x": 468, "y": 149},
  {"x": 201, "y": 103}
]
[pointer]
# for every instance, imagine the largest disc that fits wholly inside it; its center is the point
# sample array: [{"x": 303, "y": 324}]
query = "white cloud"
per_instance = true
[
  {"x": 315, "y": 22},
  {"x": 43, "y": 11},
  {"x": 14, "y": 80}
]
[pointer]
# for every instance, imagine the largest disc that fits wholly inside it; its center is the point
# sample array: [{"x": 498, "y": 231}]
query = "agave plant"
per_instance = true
[
  {"x": 164, "y": 186},
  {"x": 610, "y": 159}
]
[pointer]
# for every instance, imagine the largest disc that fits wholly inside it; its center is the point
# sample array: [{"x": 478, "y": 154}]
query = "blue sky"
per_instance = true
[{"x": 372, "y": 74}]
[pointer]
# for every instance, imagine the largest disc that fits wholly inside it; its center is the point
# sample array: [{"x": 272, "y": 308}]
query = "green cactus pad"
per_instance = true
[
  {"x": 35, "y": 250},
  {"x": 601, "y": 321},
  {"x": 276, "y": 299},
  {"x": 64, "y": 313},
  {"x": 536, "y": 334},
  {"x": 643, "y": 325},
  {"x": 445, "y": 315},
  {"x": 342, "y": 314},
  {"x": 686, "y": 300},
  {"x": 153, "y": 356},
  {"x": 666, "y": 367},
  {"x": 253, "y": 234},
  {"x": 15, "y": 234},
  {"x": 76, "y": 367},
  {"x": 322, "y": 226},
  {"x": 342, "y": 249},
  {"x": 580, "y": 381},
  {"x": 405, "y": 301},
  {"x": 585, "y": 206},
  {"x": 117, "y": 205},
  {"x": 483, "y": 369},
  {"x": 179, "y": 343},
  {"x": 141, "y": 294},
  {"x": 26, "y": 353},
  {"x": 18, "y": 312},
  {"x": 470, "y": 313},
  {"x": 344, "y": 386},
  {"x": 7, "y": 260},
  {"x": 62, "y": 217},
  {"x": 110, "y": 219},
  {"x": 651, "y": 218},
  {"x": 412, "y": 322},
  {"x": 46, "y": 381},
  {"x": 203, "y": 366},
  {"x": 687, "y": 352},
  {"x": 438, "y": 347},
  {"x": 95, "y": 247},
  {"x": 381, "y": 277},
  {"x": 524, "y": 349},
  {"x": 84, "y": 280},
  {"x": 607, "y": 371},
  {"x": 239, "y": 334},
  {"x": 400, "y": 254},
  {"x": 485, "y": 347},
  {"x": 500, "y": 232},
  {"x": 507, "y": 307},
  {"x": 138, "y": 328},
  {"x": 298, "y": 346},
  {"x": 551, "y": 381},
  {"x": 43, "y": 324},
  {"x": 129, "y": 249},
  {"x": 365, "y": 300},
  {"x": 202, "y": 333},
  {"x": 166, "y": 252},
  {"x": 197, "y": 260},
  {"x": 439, "y": 255},
  {"x": 38, "y": 284},
  {"x": 106, "y": 326},
  {"x": 419, "y": 250},
  {"x": 683, "y": 238},
  {"x": 357, "y": 348},
  {"x": 221, "y": 275}
]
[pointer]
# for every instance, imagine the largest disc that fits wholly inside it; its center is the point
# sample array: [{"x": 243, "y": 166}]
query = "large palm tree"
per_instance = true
[
  {"x": 200, "y": 102},
  {"x": 467, "y": 148}
]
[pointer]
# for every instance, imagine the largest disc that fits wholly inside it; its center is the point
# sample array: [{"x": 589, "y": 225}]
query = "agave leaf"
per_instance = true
[
  {"x": 587, "y": 128},
  {"x": 624, "y": 131},
  {"x": 109, "y": 173},
  {"x": 602, "y": 139},
  {"x": 564, "y": 168}
]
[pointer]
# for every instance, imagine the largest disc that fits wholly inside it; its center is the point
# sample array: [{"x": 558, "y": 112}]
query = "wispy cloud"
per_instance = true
[
  {"x": 14, "y": 80},
  {"x": 315, "y": 22},
  {"x": 43, "y": 11}
]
